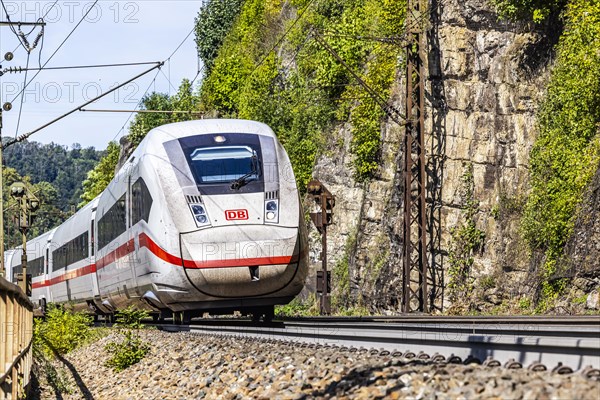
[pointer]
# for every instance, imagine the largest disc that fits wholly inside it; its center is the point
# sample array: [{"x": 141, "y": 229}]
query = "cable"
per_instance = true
[
  {"x": 136, "y": 106},
  {"x": 168, "y": 80},
  {"x": 10, "y": 25},
  {"x": 300, "y": 15},
  {"x": 28, "y": 134},
  {"x": 154, "y": 82},
  {"x": 181, "y": 44},
  {"x": 43, "y": 18},
  {"x": 22, "y": 98},
  {"x": 57, "y": 49},
  {"x": 19, "y": 69}
]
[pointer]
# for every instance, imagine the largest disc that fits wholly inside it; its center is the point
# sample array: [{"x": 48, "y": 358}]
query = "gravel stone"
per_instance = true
[{"x": 196, "y": 366}]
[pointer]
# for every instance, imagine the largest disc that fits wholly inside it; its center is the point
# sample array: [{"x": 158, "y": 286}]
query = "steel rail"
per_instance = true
[{"x": 566, "y": 343}]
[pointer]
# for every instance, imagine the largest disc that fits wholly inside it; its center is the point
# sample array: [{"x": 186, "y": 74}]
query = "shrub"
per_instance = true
[
  {"x": 62, "y": 331},
  {"x": 132, "y": 348},
  {"x": 127, "y": 352},
  {"x": 567, "y": 152},
  {"x": 131, "y": 318}
]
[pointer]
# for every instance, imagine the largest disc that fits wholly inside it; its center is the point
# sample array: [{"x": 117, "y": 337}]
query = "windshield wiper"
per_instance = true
[{"x": 243, "y": 180}]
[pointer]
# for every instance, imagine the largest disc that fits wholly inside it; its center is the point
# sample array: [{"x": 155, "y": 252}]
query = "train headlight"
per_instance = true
[
  {"x": 198, "y": 210},
  {"x": 272, "y": 211},
  {"x": 199, "y": 213}
]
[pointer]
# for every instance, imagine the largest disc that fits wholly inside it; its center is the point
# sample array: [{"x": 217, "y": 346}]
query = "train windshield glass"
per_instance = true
[{"x": 224, "y": 164}]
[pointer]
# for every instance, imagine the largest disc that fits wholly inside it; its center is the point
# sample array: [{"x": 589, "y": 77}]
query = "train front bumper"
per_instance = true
[{"x": 243, "y": 261}]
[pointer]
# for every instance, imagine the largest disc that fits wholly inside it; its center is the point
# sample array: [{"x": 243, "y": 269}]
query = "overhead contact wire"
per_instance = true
[
  {"x": 57, "y": 49},
  {"x": 154, "y": 81},
  {"x": 22, "y": 99}
]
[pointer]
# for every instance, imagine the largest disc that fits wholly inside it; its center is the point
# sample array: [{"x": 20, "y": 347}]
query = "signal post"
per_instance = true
[
  {"x": 323, "y": 218},
  {"x": 28, "y": 204}
]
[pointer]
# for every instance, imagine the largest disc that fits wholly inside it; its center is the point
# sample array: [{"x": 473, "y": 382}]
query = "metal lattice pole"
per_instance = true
[{"x": 415, "y": 208}]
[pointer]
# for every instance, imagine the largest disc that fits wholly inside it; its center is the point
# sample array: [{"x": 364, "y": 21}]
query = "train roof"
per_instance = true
[{"x": 209, "y": 127}]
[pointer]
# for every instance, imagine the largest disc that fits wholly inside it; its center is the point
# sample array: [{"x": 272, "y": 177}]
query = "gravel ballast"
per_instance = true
[{"x": 193, "y": 366}]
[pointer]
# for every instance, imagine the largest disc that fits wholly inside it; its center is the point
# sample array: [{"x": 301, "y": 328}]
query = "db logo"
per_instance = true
[{"x": 233, "y": 215}]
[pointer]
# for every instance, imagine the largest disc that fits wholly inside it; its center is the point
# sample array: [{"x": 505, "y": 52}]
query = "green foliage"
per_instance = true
[
  {"x": 466, "y": 240},
  {"x": 183, "y": 100},
  {"x": 62, "y": 331},
  {"x": 101, "y": 175},
  {"x": 48, "y": 215},
  {"x": 299, "y": 308},
  {"x": 64, "y": 169},
  {"x": 300, "y": 88},
  {"x": 341, "y": 278},
  {"x": 57, "y": 378},
  {"x": 567, "y": 151},
  {"x": 127, "y": 352},
  {"x": 131, "y": 318},
  {"x": 487, "y": 282},
  {"x": 534, "y": 10},
  {"x": 212, "y": 25},
  {"x": 524, "y": 304}
]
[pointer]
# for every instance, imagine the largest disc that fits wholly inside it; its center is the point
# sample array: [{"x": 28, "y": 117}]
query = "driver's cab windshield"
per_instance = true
[
  {"x": 224, "y": 164},
  {"x": 221, "y": 163}
]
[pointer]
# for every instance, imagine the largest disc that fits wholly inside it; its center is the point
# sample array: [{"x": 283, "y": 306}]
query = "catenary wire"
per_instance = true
[
  {"x": 56, "y": 51},
  {"x": 22, "y": 98},
  {"x": 27, "y": 135},
  {"x": 18, "y": 69},
  {"x": 43, "y": 18},
  {"x": 10, "y": 25},
  {"x": 280, "y": 40},
  {"x": 153, "y": 81}
]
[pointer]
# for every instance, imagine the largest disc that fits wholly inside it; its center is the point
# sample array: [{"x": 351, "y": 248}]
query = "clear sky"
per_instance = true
[{"x": 113, "y": 32}]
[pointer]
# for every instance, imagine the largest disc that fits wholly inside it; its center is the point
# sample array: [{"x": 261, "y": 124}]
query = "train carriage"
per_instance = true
[{"x": 204, "y": 216}]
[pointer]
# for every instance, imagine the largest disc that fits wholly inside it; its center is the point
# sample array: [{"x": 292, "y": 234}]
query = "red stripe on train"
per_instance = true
[
  {"x": 76, "y": 273},
  {"x": 146, "y": 241}
]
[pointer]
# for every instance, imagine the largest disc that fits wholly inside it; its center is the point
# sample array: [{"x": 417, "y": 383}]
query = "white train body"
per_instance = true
[{"x": 204, "y": 215}]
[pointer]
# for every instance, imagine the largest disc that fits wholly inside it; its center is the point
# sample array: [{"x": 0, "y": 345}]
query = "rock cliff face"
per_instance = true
[{"x": 485, "y": 79}]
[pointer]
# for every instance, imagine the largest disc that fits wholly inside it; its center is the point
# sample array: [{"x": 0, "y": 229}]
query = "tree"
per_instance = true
[{"x": 212, "y": 25}]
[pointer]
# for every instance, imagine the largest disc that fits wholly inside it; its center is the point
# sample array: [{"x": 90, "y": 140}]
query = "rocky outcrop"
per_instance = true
[
  {"x": 484, "y": 83},
  {"x": 583, "y": 249}
]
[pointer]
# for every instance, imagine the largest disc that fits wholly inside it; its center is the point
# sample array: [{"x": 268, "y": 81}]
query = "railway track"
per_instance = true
[{"x": 561, "y": 344}]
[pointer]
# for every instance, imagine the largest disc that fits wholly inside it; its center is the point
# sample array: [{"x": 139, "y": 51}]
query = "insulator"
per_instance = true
[
  {"x": 37, "y": 39},
  {"x": 537, "y": 367},
  {"x": 512, "y": 364}
]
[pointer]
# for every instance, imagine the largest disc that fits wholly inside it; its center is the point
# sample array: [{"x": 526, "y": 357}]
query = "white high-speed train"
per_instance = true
[{"x": 204, "y": 216}]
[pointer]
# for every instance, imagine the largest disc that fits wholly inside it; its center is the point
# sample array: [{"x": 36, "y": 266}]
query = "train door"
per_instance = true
[
  {"x": 140, "y": 205},
  {"x": 95, "y": 287},
  {"x": 57, "y": 272},
  {"x": 46, "y": 290},
  {"x": 131, "y": 238}
]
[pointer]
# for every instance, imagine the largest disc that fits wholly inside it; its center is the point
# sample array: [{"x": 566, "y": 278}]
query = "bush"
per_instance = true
[
  {"x": 126, "y": 353},
  {"x": 131, "y": 318},
  {"x": 62, "y": 332},
  {"x": 299, "y": 308},
  {"x": 567, "y": 152},
  {"x": 132, "y": 348},
  {"x": 535, "y": 10}
]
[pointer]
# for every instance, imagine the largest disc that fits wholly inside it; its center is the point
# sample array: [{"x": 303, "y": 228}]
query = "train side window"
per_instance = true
[
  {"x": 141, "y": 202},
  {"x": 47, "y": 261},
  {"x": 71, "y": 252},
  {"x": 36, "y": 267},
  {"x": 112, "y": 224},
  {"x": 92, "y": 238}
]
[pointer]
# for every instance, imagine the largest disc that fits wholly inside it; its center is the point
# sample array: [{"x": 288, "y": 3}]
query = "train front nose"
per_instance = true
[{"x": 242, "y": 261}]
